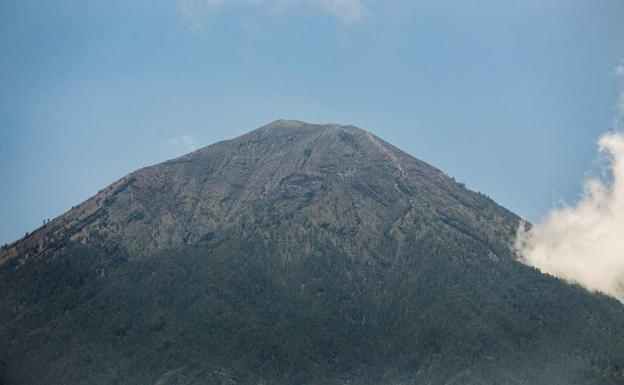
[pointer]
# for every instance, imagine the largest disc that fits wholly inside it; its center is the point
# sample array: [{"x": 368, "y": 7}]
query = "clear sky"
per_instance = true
[{"x": 506, "y": 96}]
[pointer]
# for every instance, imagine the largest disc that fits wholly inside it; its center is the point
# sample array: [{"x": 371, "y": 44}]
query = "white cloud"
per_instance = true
[
  {"x": 348, "y": 11},
  {"x": 185, "y": 142},
  {"x": 584, "y": 243}
]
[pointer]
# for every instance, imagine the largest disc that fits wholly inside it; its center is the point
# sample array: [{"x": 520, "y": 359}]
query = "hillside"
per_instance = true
[{"x": 294, "y": 254}]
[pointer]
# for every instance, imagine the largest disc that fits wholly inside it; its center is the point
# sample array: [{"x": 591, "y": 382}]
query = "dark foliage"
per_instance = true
[
  {"x": 296, "y": 254},
  {"x": 233, "y": 312}
]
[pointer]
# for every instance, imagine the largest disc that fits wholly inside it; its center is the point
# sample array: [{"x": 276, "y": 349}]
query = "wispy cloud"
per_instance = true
[
  {"x": 347, "y": 11},
  {"x": 193, "y": 10},
  {"x": 619, "y": 72},
  {"x": 184, "y": 142},
  {"x": 584, "y": 243}
]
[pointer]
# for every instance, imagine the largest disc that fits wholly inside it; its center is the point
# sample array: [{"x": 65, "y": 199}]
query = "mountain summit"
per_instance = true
[{"x": 295, "y": 254}]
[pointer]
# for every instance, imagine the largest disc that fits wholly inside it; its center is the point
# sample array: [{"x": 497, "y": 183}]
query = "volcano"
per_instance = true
[{"x": 295, "y": 254}]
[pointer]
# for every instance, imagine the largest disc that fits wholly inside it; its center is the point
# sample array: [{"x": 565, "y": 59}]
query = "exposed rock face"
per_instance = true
[
  {"x": 297, "y": 253},
  {"x": 339, "y": 179}
]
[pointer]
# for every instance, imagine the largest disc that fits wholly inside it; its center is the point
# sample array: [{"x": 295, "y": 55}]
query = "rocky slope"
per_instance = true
[{"x": 295, "y": 254}]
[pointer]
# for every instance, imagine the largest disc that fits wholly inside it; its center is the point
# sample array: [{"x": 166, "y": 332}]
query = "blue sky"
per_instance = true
[{"x": 506, "y": 96}]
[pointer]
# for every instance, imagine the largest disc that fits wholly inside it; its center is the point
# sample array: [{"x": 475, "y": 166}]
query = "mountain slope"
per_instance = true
[{"x": 296, "y": 253}]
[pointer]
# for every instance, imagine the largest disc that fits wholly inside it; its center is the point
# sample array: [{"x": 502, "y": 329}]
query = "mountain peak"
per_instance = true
[
  {"x": 301, "y": 126},
  {"x": 332, "y": 136}
]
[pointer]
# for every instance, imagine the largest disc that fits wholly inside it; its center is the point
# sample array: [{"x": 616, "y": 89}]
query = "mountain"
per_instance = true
[{"x": 294, "y": 254}]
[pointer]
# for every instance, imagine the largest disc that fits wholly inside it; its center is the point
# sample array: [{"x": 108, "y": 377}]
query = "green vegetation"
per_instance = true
[
  {"x": 232, "y": 311},
  {"x": 294, "y": 255}
]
